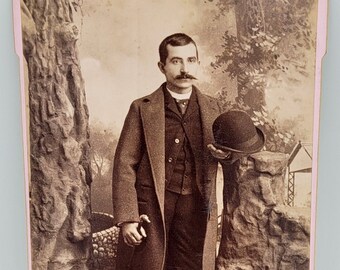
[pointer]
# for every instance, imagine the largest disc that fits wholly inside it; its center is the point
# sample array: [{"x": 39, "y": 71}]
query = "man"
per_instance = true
[{"x": 164, "y": 175}]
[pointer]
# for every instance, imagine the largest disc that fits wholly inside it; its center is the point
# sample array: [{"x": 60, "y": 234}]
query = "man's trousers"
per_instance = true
[{"x": 185, "y": 223}]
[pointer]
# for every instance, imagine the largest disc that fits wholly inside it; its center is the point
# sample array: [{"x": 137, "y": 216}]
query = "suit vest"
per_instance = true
[{"x": 183, "y": 145}]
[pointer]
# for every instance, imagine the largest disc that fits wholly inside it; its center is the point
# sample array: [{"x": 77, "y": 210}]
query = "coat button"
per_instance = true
[
  {"x": 176, "y": 140},
  {"x": 170, "y": 159}
]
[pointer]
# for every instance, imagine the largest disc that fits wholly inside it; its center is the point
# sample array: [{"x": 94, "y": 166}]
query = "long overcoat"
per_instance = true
[{"x": 139, "y": 180}]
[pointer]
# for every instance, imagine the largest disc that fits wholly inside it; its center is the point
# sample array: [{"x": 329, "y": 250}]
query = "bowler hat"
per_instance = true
[{"x": 235, "y": 131}]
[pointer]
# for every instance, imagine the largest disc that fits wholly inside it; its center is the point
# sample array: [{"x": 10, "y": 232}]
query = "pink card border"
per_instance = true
[
  {"x": 320, "y": 52},
  {"x": 321, "y": 47},
  {"x": 19, "y": 50}
]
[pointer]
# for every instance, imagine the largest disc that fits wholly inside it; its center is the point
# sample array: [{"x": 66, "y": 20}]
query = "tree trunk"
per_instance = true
[{"x": 59, "y": 137}]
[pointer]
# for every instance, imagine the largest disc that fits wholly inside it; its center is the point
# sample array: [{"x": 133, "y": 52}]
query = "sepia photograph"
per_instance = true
[{"x": 170, "y": 135}]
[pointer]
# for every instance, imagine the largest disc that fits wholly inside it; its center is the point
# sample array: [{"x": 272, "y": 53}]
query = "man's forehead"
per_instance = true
[{"x": 188, "y": 50}]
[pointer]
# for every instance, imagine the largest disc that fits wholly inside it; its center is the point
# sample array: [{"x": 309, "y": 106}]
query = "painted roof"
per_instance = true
[{"x": 300, "y": 159}]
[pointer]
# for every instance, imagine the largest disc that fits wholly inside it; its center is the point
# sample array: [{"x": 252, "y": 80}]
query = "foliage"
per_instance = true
[
  {"x": 277, "y": 139},
  {"x": 271, "y": 41},
  {"x": 250, "y": 59}
]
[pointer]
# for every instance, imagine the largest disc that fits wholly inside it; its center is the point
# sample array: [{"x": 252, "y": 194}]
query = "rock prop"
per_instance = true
[
  {"x": 59, "y": 137},
  {"x": 259, "y": 232}
]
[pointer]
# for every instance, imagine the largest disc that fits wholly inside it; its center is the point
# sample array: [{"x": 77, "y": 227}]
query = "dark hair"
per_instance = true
[{"x": 178, "y": 39}]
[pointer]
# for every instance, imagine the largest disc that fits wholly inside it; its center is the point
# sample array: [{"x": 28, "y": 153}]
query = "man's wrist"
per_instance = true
[{"x": 121, "y": 224}]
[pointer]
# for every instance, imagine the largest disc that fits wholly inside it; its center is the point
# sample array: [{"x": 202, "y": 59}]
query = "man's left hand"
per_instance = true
[{"x": 218, "y": 153}]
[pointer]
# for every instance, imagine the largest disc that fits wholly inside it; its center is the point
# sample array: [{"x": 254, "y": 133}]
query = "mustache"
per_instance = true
[{"x": 185, "y": 76}]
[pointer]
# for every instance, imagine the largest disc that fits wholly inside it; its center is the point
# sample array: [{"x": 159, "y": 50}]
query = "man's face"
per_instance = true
[{"x": 180, "y": 67}]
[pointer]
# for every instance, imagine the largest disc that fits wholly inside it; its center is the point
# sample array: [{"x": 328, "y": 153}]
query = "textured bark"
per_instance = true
[
  {"x": 259, "y": 232},
  {"x": 59, "y": 137}
]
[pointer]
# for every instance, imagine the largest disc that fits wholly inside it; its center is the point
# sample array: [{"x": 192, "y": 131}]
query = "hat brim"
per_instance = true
[{"x": 255, "y": 147}]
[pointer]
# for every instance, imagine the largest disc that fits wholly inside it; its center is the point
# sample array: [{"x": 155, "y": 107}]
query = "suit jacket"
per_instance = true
[{"x": 139, "y": 179}]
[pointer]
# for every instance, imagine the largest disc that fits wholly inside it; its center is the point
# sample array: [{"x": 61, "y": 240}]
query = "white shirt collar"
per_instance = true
[{"x": 179, "y": 96}]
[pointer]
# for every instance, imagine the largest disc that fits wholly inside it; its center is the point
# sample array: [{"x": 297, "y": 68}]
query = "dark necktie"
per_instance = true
[{"x": 182, "y": 105}]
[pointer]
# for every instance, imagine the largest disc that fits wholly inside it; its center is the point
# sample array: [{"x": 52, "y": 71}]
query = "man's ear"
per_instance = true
[{"x": 161, "y": 67}]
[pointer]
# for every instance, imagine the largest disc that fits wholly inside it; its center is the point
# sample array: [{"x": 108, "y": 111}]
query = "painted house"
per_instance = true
[{"x": 299, "y": 175}]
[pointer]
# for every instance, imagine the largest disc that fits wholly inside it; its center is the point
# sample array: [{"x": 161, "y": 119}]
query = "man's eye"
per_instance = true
[
  {"x": 192, "y": 60},
  {"x": 175, "y": 61}
]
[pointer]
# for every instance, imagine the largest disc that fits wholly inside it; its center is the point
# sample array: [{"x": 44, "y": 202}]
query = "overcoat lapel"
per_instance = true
[
  {"x": 153, "y": 118},
  {"x": 209, "y": 111}
]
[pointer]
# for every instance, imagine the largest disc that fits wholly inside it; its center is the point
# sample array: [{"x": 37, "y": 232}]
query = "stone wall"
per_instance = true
[
  {"x": 104, "y": 241},
  {"x": 259, "y": 231}
]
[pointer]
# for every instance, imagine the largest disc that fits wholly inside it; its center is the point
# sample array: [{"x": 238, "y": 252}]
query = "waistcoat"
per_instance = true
[{"x": 183, "y": 145}]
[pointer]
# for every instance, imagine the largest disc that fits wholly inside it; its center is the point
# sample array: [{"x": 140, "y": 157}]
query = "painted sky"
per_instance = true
[{"x": 119, "y": 55}]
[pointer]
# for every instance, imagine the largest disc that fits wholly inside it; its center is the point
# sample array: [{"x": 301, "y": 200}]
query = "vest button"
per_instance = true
[
  {"x": 170, "y": 159},
  {"x": 176, "y": 140}
]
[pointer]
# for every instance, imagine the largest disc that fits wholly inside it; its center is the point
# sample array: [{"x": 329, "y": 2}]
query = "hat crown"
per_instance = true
[{"x": 234, "y": 128}]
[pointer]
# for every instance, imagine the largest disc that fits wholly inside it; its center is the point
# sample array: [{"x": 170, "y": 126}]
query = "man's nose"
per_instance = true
[{"x": 184, "y": 68}]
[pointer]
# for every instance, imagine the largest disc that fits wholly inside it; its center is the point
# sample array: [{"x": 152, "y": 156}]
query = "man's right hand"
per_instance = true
[{"x": 133, "y": 233}]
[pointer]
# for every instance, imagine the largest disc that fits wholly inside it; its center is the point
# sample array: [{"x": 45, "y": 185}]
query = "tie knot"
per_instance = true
[
  {"x": 182, "y": 101},
  {"x": 182, "y": 104}
]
